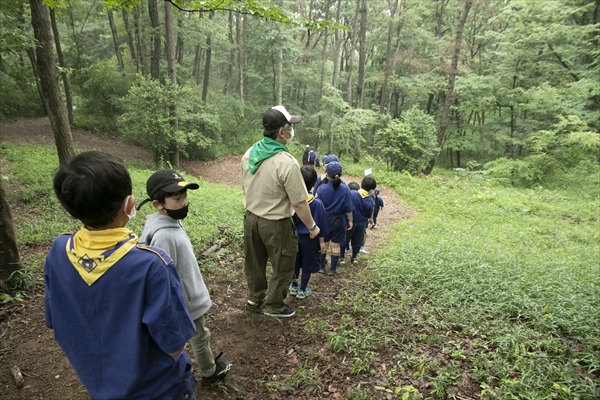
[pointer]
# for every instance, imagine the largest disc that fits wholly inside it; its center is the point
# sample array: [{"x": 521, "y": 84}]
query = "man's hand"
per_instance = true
[{"x": 314, "y": 233}]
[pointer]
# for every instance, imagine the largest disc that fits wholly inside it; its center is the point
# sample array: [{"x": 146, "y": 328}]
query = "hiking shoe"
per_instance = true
[
  {"x": 304, "y": 293},
  {"x": 286, "y": 312},
  {"x": 254, "y": 304},
  {"x": 221, "y": 370},
  {"x": 293, "y": 290}
]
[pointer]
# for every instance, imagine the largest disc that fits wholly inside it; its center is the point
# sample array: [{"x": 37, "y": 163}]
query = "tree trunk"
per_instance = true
[
  {"x": 229, "y": 87},
  {"x": 115, "y": 36},
  {"x": 362, "y": 55},
  {"x": 279, "y": 78},
  {"x": 130, "y": 39},
  {"x": 171, "y": 68},
  {"x": 140, "y": 46},
  {"x": 196, "y": 69},
  {"x": 451, "y": 79},
  {"x": 336, "y": 47},
  {"x": 180, "y": 43},
  {"x": 354, "y": 34},
  {"x": 156, "y": 38},
  {"x": 36, "y": 74},
  {"x": 323, "y": 63},
  {"x": 63, "y": 73},
  {"x": 40, "y": 19},
  {"x": 388, "y": 60},
  {"x": 9, "y": 254},
  {"x": 207, "y": 63}
]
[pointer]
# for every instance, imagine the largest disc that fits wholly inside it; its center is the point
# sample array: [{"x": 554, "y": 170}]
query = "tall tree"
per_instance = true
[
  {"x": 171, "y": 68},
  {"x": 130, "y": 43},
  {"x": 40, "y": 19},
  {"x": 451, "y": 80},
  {"x": 9, "y": 253},
  {"x": 156, "y": 38},
  {"x": 63, "y": 67},
  {"x": 115, "y": 36},
  {"x": 207, "y": 62}
]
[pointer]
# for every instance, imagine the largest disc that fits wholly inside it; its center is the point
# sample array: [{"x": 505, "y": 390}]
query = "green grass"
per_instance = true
[{"x": 495, "y": 284}]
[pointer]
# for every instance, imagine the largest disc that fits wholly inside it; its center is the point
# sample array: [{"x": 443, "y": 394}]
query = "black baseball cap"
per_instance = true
[{"x": 277, "y": 116}]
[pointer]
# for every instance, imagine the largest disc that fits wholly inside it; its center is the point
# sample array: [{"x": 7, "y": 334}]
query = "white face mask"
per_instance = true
[
  {"x": 287, "y": 141},
  {"x": 133, "y": 210}
]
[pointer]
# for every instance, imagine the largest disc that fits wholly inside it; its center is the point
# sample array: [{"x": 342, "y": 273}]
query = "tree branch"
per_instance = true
[{"x": 564, "y": 64}]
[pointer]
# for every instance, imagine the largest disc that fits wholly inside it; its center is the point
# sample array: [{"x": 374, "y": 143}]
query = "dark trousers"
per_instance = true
[
  {"x": 276, "y": 241},
  {"x": 356, "y": 237}
]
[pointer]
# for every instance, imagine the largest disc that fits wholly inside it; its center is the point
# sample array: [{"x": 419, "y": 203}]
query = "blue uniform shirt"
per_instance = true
[
  {"x": 117, "y": 332},
  {"x": 319, "y": 215},
  {"x": 363, "y": 207},
  {"x": 336, "y": 201}
]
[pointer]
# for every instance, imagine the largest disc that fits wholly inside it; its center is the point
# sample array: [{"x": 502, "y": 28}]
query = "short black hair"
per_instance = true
[
  {"x": 353, "y": 186},
  {"x": 92, "y": 187},
  {"x": 309, "y": 174},
  {"x": 161, "y": 195},
  {"x": 368, "y": 183}
]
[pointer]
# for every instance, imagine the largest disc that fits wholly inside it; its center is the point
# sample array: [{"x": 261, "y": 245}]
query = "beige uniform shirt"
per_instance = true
[{"x": 277, "y": 185}]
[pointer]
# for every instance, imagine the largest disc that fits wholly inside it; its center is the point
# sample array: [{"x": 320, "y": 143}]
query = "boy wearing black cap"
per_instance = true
[{"x": 167, "y": 191}]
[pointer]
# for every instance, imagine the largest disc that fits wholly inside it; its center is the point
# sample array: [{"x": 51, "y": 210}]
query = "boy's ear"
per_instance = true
[{"x": 156, "y": 204}]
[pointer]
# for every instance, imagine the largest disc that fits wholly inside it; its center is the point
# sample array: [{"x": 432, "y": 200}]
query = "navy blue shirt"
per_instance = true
[
  {"x": 118, "y": 332},
  {"x": 336, "y": 201},
  {"x": 317, "y": 209},
  {"x": 363, "y": 207}
]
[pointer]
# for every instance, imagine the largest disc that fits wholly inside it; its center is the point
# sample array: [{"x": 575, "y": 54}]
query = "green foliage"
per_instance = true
[
  {"x": 407, "y": 145},
  {"x": 514, "y": 272},
  {"x": 147, "y": 120},
  {"x": 103, "y": 86},
  {"x": 24, "y": 100},
  {"x": 565, "y": 146}
]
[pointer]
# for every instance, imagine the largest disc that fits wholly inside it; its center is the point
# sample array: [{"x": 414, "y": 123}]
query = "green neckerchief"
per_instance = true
[{"x": 262, "y": 150}]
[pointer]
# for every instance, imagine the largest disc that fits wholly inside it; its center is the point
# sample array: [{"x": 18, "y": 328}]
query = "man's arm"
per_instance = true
[{"x": 303, "y": 212}]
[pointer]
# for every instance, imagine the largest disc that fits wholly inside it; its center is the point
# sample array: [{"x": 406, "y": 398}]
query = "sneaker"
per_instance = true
[
  {"x": 221, "y": 370},
  {"x": 304, "y": 293},
  {"x": 321, "y": 271},
  {"x": 293, "y": 290},
  {"x": 286, "y": 312},
  {"x": 362, "y": 250},
  {"x": 374, "y": 227},
  {"x": 332, "y": 272},
  {"x": 254, "y": 304},
  {"x": 342, "y": 261},
  {"x": 354, "y": 261}
]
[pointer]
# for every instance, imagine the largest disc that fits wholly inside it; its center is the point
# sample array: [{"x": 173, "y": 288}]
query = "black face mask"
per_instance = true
[{"x": 178, "y": 214}]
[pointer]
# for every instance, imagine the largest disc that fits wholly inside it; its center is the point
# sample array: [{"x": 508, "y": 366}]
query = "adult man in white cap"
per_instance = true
[
  {"x": 305, "y": 155},
  {"x": 273, "y": 190}
]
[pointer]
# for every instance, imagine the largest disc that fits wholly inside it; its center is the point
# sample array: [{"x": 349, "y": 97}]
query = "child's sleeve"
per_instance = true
[
  {"x": 322, "y": 220},
  {"x": 165, "y": 313}
]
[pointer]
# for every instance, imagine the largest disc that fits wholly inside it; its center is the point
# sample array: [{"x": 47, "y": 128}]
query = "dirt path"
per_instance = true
[{"x": 263, "y": 349}]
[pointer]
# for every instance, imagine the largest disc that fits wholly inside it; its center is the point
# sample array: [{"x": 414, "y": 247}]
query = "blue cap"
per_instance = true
[
  {"x": 329, "y": 158},
  {"x": 333, "y": 169},
  {"x": 377, "y": 190}
]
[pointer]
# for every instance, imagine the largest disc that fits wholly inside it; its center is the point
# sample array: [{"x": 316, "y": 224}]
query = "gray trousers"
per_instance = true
[
  {"x": 276, "y": 241},
  {"x": 201, "y": 347}
]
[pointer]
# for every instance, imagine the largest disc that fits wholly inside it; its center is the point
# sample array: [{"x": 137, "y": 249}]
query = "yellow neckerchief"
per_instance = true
[
  {"x": 363, "y": 193},
  {"x": 92, "y": 253},
  {"x": 310, "y": 198}
]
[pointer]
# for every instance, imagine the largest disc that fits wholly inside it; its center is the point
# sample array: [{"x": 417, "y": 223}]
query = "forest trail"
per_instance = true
[{"x": 263, "y": 349}]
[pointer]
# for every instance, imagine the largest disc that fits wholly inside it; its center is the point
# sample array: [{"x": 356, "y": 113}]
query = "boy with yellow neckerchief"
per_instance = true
[{"x": 116, "y": 307}]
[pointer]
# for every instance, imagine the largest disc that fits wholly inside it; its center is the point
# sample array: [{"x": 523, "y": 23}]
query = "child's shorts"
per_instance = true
[{"x": 339, "y": 226}]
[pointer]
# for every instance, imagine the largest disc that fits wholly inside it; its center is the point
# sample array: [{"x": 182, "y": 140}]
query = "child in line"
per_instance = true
[
  {"x": 116, "y": 307},
  {"x": 328, "y": 158},
  {"x": 378, "y": 205},
  {"x": 318, "y": 162},
  {"x": 167, "y": 191},
  {"x": 362, "y": 214},
  {"x": 335, "y": 196},
  {"x": 308, "y": 257}
]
